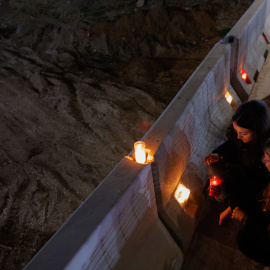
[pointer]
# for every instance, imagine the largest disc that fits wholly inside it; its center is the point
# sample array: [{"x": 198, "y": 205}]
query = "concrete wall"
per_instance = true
[
  {"x": 267, "y": 21},
  {"x": 194, "y": 124},
  {"x": 249, "y": 47},
  {"x": 132, "y": 220}
]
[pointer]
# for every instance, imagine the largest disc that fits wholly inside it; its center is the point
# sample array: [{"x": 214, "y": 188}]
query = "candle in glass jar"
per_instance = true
[
  {"x": 215, "y": 181},
  {"x": 140, "y": 155}
]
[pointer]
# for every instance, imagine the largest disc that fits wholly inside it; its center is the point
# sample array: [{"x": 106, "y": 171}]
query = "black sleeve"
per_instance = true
[
  {"x": 257, "y": 223},
  {"x": 253, "y": 241},
  {"x": 228, "y": 151}
]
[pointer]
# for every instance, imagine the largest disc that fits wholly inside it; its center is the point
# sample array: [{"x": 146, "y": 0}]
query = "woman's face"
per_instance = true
[
  {"x": 266, "y": 160},
  {"x": 244, "y": 134}
]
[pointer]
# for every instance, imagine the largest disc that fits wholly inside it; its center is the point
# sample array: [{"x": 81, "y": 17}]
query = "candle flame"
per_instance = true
[{"x": 150, "y": 158}]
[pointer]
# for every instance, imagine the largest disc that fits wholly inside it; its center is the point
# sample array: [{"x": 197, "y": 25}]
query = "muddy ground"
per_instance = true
[{"x": 80, "y": 82}]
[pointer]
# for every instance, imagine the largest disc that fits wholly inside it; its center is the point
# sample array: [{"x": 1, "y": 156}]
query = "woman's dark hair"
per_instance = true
[
  {"x": 266, "y": 146},
  {"x": 266, "y": 198},
  {"x": 266, "y": 192},
  {"x": 254, "y": 115}
]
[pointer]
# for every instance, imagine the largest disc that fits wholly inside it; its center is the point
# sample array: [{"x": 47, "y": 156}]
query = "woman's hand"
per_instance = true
[
  {"x": 212, "y": 158},
  {"x": 225, "y": 215},
  {"x": 238, "y": 214}
]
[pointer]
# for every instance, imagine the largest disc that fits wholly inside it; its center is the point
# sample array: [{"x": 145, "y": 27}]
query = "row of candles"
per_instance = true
[{"x": 143, "y": 156}]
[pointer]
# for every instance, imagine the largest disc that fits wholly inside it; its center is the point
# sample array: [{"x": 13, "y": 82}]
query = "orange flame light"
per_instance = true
[
  {"x": 182, "y": 194},
  {"x": 149, "y": 156}
]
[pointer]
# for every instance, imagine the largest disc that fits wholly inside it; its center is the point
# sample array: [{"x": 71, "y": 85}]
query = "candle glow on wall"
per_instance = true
[
  {"x": 228, "y": 97},
  {"x": 182, "y": 195}
]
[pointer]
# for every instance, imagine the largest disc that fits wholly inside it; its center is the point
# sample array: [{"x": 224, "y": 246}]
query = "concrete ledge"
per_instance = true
[
  {"x": 261, "y": 87},
  {"x": 267, "y": 20},
  {"x": 94, "y": 236}
]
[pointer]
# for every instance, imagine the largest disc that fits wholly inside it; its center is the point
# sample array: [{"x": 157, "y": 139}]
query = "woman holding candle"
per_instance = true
[
  {"x": 254, "y": 239},
  {"x": 238, "y": 160}
]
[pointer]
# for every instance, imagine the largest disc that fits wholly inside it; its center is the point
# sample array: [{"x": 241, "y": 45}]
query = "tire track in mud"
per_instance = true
[
  {"x": 15, "y": 53},
  {"x": 76, "y": 112},
  {"x": 64, "y": 183}
]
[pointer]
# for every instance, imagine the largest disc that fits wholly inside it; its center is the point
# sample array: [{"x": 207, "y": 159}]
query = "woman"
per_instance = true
[
  {"x": 254, "y": 240},
  {"x": 238, "y": 160}
]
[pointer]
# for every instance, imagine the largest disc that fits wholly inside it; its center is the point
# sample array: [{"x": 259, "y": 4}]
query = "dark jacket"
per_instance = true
[
  {"x": 242, "y": 171},
  {"x": 254, "y": 240}
]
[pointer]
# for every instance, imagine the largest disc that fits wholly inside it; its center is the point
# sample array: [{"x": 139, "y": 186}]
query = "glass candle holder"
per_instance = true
[
  {"x": 140, "y": 155},
  {"x": 215, "y": 181},
  {"x": 215, "y": 188}
]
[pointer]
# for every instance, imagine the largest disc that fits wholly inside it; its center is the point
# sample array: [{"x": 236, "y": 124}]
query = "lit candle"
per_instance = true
[
  {"x": 215, "y": 181},
  {"x": 245, "y": 76},
  {"x": 215, "y": 187},
  {"x": 140, "y": 155}
]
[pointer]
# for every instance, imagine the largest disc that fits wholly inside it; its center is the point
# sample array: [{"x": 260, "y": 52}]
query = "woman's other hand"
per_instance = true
[
  {"x": 212, "y": 158},
  {"x": 238, "y": 214}
]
